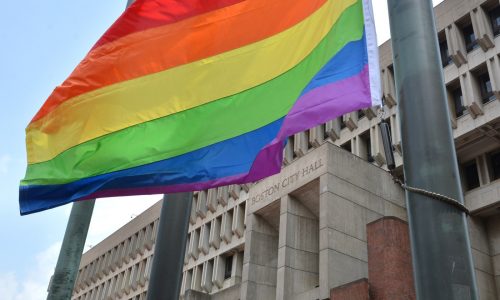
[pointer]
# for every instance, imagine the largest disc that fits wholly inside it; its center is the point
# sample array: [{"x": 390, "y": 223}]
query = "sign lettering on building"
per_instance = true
[{"x": 286, "y": 181}]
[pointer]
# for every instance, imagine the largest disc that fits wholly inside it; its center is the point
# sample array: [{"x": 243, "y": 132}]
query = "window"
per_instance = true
[
  {"x": 361, "y": 114},
  {"x": 458, "y": 102},
  {"x": 495, "y": 20},
  {"x": 486, "y": 88},
  {"x": 366, "y": 146},
  {"x": 471, "y": 176},
  {"x": 229, "y": 267},
  {"x": 445, "y": 53},
  {"x": 470, "y": 38},
  {"x": 494, "y": 161},
  {"x": 347, "y": 146},
  {"x": 342, "y": 122}
]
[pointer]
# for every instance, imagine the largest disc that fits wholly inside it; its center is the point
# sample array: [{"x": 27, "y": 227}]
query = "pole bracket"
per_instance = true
[{"x": 434, "y": 195}]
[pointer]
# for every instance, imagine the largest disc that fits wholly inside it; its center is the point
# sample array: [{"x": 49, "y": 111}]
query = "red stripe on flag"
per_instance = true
[{"x": 147, "y": 14}]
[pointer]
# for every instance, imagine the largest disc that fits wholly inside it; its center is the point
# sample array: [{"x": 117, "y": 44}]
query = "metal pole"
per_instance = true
[
  {"x": 170, "y": 247},
  {"x": 441, "y": 252},
  {"x": 68, "y": 262}
]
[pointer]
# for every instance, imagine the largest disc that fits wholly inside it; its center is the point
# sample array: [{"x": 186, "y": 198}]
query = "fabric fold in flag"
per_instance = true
[{"x": 181, "y": 98}]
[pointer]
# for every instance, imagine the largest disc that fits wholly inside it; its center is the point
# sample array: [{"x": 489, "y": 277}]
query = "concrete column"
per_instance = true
[
  {"x": 471, "y": 94},
  {"x": 332, "y": 129},
  {"x": 316, "y": 136},
  {"x": 260, "y": 260},
  {"x": 389, "y": 260},
  {"x": 456, "y": 45},
  {"x": 482, "y": 257},
  {"x": 482, "y": 28},
  {"x": 493, "y": 225},
  {"x": 389, "y": 87},
  {"x": 223, "y": 195},
  {"x": 352, "y": 194},
  {"x": 212, "y": 200},
  {"x": 342, "y": 253},
  {"x": 298, "y": 253},
  {"x": 493, "y": 65},
  {"x": 301, "y": 143},
  {"x": 237, "y": 268}
]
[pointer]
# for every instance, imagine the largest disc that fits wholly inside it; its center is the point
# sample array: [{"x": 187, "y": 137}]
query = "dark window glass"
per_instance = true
[
  {"x": 445, "y": 54},
  {"x": 229, "y": 267},
  {"x": 347, "y": 146},
  {"x": 470, "y": 38},
  {"x": 486, "y": 88},
  {"x": 495, "y": 165},
  {"x": 369, "y": 156},
  {"x": 495, "y": 20},
  {"x": 388, "y": 121},
  {"x": 458, "y": 103},
  {"x": 342, "y": 123},
  {"x": 325, "y": 133},
  {"x": 471, "y": 175},
  {"x": 361, "y": 114}
]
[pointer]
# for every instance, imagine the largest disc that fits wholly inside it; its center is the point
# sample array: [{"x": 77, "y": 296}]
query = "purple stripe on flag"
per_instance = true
[{"x": 327, "y": 102}]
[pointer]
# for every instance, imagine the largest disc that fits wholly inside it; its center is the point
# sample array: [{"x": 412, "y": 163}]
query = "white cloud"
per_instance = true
[
  {"x": 112, "y": 213},
  {"x": 8, "y": 286},
  {"x": 5, "y": 160},
  {"x": 34, "y": 286}
]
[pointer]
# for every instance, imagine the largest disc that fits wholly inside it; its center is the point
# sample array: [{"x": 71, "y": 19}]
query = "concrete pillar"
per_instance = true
[
  {"x": 298, "y": 253},
  {"x": 260, "y": 260},
  {"x": 389, "y": 88},
  {"x": 389, "y": 260},
  {"x": 456, "y": 45},
  {"x": 482, "y": 28},
  {"x": 482, "y": 257},
  {"x": 493, "y": 225},
  {"x": 471, "y": 94},
  {"x": 342, "y": 253},
  {"x": 332, "y": 129},
  {"x": 212, "y": 199},
  {"x": 237, "y": 268},
  {"x": 352, "y": 194}
]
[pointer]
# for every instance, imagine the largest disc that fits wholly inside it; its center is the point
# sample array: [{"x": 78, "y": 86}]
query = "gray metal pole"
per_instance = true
[
  {"x": 170, "y": 247},
  {"x": 441, "y": 252},
  {"x": 68, "y": 262}
]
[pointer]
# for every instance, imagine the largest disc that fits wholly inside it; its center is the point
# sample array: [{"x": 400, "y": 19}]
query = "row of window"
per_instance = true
[
  {"x": 209, "y": 200},
  {"x": 467, "y": 31},
  {"x": 116, "y": 257},
  {"x": 470, "y": 170},
  {"x": 123, "y": 283},
  {"x": 213, "y": 274},
  {"x": 299, "y": 144},
  {"x": 482, "y": 79},
  {"x": 219, "y": 230}
]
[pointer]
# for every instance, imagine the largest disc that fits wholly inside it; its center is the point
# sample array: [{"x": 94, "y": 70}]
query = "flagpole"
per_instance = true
[
  {"x": 68, "y": 262},
  {"x": 440, "y": 244},
  {"x": 170, "y": 247}
]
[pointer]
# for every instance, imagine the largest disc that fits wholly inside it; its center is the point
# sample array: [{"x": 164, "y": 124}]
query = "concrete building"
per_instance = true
[{"x": 331, "y": 224}]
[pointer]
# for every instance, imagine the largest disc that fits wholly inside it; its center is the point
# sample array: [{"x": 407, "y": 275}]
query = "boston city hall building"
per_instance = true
[{"x": 332, "y": 224}]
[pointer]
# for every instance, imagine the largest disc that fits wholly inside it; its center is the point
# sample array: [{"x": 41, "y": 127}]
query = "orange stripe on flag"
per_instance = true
[{"x": 168, "y": 46}]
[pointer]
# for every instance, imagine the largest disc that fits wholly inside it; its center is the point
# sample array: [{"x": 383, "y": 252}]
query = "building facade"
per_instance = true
[{"x": 306, "y": 233}]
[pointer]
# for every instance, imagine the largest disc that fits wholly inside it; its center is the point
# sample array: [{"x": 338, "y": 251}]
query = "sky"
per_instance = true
[{"x": 41, "y": 43}]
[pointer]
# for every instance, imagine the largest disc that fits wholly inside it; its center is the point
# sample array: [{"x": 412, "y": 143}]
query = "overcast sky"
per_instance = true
[{"x": 42, "y": 41}]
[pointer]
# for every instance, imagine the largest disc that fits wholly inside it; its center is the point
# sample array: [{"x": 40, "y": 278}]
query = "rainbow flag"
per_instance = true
[{"x": 188, "y": 95}]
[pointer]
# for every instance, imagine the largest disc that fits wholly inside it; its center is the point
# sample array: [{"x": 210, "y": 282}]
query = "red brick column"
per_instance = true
[
  {"x": 389, "y": 260},
  {"x": 356, "y": 290}
]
